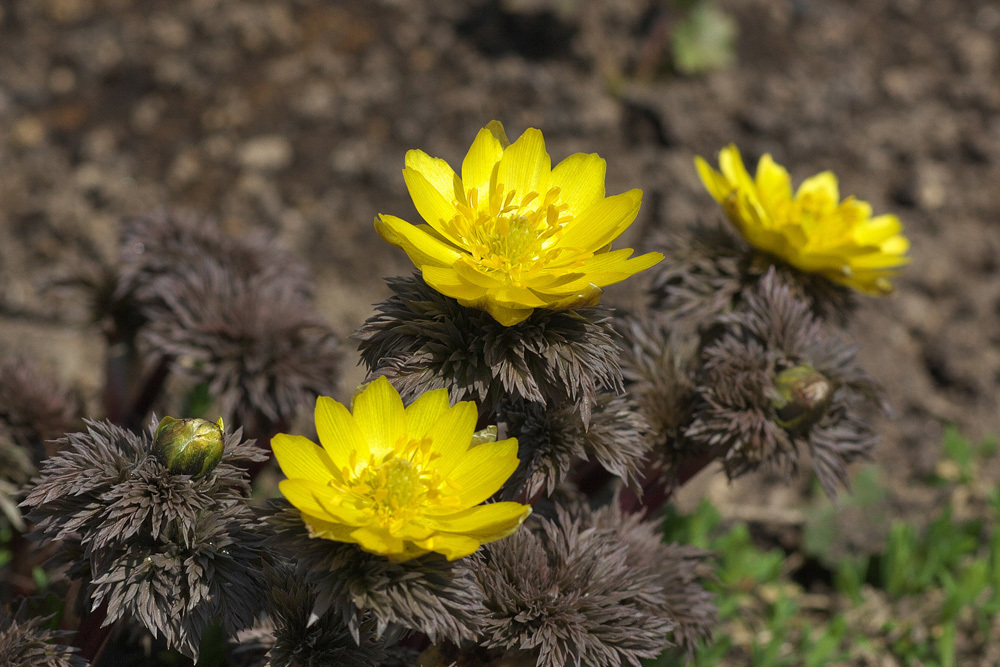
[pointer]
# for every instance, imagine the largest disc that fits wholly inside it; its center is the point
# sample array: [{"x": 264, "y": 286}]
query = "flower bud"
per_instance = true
[
  {"x": 488, "y": 434},
  {"x": 802, "y": 398},
  {"x": 189, "y": 446}
]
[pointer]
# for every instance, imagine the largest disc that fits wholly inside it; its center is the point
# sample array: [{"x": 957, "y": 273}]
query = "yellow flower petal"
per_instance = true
[
  {"x": 881, "y": 260},
  {"x": 430, "y": 203},
  {"x": 319, "y": 500},
  {"x": 379, "y": 414},
  {"x": 339, "y": 434},
  {"x": 451, "y": 545},
  {"x": 425, "y": 411},
  {"x": 491, "y": 521},
  {"x": 479, "y": 165},
  {"x": 420, "y": 246},
  {"x": 517, "y": 297},
  {"x": 714, "y": 182},
  {"x": 496, "y": 129},
  {"x": 897, "y": 245},
  {"x": 438, "y": 174},
  {"x": 612, "y": 267},
  {"x": 377, "y": 540},
  {"x": 812, "y": 230},
  {"x": 731, "y": 164},
  {"x": 602, "y": 223},
  {"x": 301, "y": 457},
  {"x": 506, "y": 315},
  {"x": 525, "y": 166},
  {"x": 328, "y": 530},
  {"x": 773, "y": 183},
  {"x": 448, "y": 282},
  {"x": 878, "y": 229},
  {"x": 471, "y": 273},
  {"x": 483, "y": 470},
  {"x": 451, "y": 434},
  {"x": 823, "y": 187},
  {"x": 580, "y": 179},
  {"x": 585, "y": 297}
]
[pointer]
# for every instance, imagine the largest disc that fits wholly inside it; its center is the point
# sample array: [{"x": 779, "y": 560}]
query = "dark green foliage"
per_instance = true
[
  {"x": 655, "y": 367},
  {"x": 233, "y": 314},
  {"x": 168, "y": 551},
  {"x": 30, "y": 643},
  {"x": 423, "y": 340},
  {"x": 34, "y": 408},
  {"x": 589, "y": 589},
  {"x": 708, "y": 268},
  {"x": 253, "y": 341},
  {"x": 736, "y": 402},
  {"x": 679, "y": 569},
  {"x": 429, "y": 594},
  {"x": 292, "y": 636},
  {"x": 550, "y": 440},
  {"x": 166, "y": 244}
]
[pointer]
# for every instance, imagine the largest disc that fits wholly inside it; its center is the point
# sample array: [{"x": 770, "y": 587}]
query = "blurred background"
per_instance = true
[{"x": 293, "y": 116}]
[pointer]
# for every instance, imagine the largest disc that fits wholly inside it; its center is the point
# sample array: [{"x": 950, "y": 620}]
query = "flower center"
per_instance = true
[
  {"x": 399, "y": 484},
  {"x": 396, "y": 488},
  {"x": 511, "y": 239},
  {"x": 821, "y": 219}
]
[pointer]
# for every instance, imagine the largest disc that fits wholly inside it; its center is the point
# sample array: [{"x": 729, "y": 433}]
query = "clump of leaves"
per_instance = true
[
  {"x": 169, "y": 551},
  {"x": 422, "y": 340},
  {"x": 919, "y": 594},
  {"x": 704, "y": 39}
]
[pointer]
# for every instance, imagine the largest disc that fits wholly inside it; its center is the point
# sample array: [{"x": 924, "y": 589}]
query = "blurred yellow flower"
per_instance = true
[
  {"x": 813, "y": 230},
  {"x": 398, "y": 481},
  {"x": 513, "y": 234}
]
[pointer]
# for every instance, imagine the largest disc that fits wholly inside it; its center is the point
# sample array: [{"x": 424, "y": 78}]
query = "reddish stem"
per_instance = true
[
  {"x": 152, "y": 386},
  {"x": 658, "y": 489},
  {"x": 91, "y": 636}
]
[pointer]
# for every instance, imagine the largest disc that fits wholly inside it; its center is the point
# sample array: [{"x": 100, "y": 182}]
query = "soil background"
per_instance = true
[{"x": 293, "y": 116}]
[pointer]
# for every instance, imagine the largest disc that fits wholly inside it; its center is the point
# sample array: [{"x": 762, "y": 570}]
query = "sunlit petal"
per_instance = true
[
  {"x": 451, "y": 434},
  {"x": 580, "y": 179},
  {"x": 420, "y": 246},
  {"x": 514, "y": 235},
  {"x": 812, "y": 229},
  {"x": 525, "y": 166},
  {"x": 425, "y": 411},
  {"x": 483, "y": 470},
  {"x": 380, "y": 415},
  {"x": 383, "y": 479},
  {"x": 483, "y": 520},
  {"x": 339, "y": 433},
  {"x": 480, "y": 163},
  {"x": 301, "y": 457},
  {"x": 602, "y": 223}
]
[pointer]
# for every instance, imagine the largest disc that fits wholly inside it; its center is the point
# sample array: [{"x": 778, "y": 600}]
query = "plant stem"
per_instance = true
[
  {"x": 92, "y": 637},
  {"x": 152, "y": 386}
]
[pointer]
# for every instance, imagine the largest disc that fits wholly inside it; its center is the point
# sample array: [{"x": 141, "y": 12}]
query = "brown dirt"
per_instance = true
[{"x": 294, "y": 116}]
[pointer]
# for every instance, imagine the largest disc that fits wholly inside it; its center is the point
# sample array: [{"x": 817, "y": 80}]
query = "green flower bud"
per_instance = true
[
  {"x": 189, "y": 446},
  {"x": 802, "y": 398},
  {"x": 488, "y": 434}
]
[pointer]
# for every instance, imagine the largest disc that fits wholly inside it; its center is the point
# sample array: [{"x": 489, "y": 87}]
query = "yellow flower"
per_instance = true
[
  {"x": 513, "y": 234},
  {"x": 398, "y": 481},
  {"x": 813, "y": 230}
]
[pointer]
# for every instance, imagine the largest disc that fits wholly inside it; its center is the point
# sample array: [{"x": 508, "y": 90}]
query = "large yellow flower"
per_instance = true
[
  {"x": 513, "y": 234},
  {"x": 813, "y": 230},
  {"x": 398, "y": 481}
]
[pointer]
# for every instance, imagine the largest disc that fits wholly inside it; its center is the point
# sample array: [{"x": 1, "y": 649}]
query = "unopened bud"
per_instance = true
[
  {"x": 488, "y": 434},
  {"x": 189, "y": 446},
  {"x": 803, "y": 396}
]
